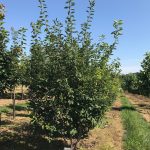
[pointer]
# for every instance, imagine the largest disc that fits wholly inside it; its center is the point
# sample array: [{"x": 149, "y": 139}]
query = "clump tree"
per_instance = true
[
  {"x": 16, "y": 53},
  {"x": 72, "y": 80},
  {"x": 24, "y": 73},
  {"x": 20, "y": 60}
]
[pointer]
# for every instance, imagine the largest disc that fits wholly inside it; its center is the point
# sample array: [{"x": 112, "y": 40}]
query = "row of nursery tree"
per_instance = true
[
  {"x": 14, "y": 63},
  {"x": 138, "y": 83}
]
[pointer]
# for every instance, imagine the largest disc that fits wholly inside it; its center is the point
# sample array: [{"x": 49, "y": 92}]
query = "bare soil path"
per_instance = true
[
  {"x": 110, "y": 136},
  {"x": 6, "y": 102}
]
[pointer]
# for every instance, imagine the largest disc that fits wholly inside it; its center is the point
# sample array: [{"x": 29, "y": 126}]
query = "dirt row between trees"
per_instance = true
[
  {"x": 141, "y": 103},
  {"x": 6, "y": 102},
  {"x": 109, "y": 136},
  {"x": 106, "y": 137},
  {"x": 22, "y": 116}
]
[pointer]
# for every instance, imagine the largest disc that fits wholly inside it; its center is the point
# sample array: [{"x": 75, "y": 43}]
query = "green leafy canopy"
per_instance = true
[{"x": 72, "y": 80}]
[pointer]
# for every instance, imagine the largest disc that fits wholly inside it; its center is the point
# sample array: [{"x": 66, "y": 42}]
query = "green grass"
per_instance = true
[
  {"x": 4, "y": 109},
  {"x": 18, "y": 107},
  {"x": 137, "y": 135}
]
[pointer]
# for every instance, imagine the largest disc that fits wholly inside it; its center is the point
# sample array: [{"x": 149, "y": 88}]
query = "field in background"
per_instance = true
[
  {"x": 18, "y": 89},
  {"x": 21, "y": 92}
]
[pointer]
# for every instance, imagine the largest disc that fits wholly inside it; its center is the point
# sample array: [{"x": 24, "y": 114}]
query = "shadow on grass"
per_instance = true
[
  {"x": 18, "y": 107},
  {"x": 23, "y": 115},
  {"x": 124, "y": 108},
  {"x": 22, "y": 138},
  {"x": 18, "y": 96},
  {"x": 5, "y": 122},
  {"x": 145, "y": 106}
]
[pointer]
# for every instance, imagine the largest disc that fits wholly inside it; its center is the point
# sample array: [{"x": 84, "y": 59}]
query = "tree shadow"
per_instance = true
[
  {"x": 23, "y": 115},
  {"x": 17, "y": 95},
  {"x": 124, "y": 108},
  {"x": 22, "y": 138},
  {"x": 18, "y": 107},
  {"x": 145, "y": 106},
  {"x": 5, "y": 122}
]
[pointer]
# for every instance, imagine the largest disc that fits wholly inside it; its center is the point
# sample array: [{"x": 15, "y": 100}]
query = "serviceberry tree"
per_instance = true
[{"x": 73, "y": 81}]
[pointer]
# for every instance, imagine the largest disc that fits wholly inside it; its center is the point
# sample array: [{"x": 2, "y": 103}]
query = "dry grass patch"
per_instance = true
[{"x": 6, "y": 102}]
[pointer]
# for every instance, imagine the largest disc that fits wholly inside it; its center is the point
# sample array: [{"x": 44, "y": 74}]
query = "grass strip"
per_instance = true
[
  {"x": 4, "y": 109},
  {"x": 19, "y": 107},
  {"x": 137, "y": 135}
]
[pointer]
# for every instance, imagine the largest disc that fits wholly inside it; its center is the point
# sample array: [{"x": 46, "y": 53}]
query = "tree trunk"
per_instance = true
[
  {"x": 0, "y": 118},
  {"x": 22, "y": 92},
  {"x": 72, "y": 146},
  {"x": 74, "y": 143},
  {"x": 11, "y": 94},
  {"x": 14, "y": 98}
]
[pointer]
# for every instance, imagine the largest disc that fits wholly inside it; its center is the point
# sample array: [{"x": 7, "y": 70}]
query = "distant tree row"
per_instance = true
[
  {"x": 14, "y": 63},
  {"x": 139, "y": 82},
  {"x": 13, "y": 60}
]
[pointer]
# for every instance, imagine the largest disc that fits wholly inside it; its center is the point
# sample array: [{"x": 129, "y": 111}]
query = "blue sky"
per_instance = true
[{"x": 135, "y": 14}]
